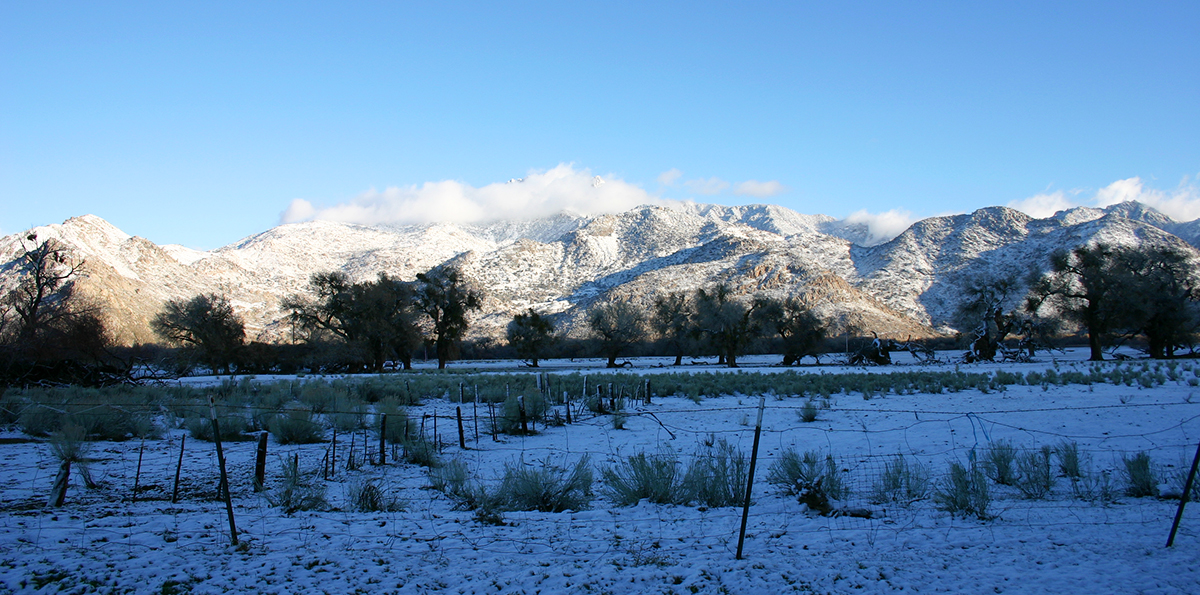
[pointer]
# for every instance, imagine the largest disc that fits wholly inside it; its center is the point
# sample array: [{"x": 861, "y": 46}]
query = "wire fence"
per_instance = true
[{"x": 1061, "y": 475}]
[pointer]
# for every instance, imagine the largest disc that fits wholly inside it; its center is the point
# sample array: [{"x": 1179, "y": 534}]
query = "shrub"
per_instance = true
[
  {"x": 651, "y": 477},
  {"x": 452, "y": 478},
  {"x": 717, "y": 475},
  {"x": 900, "y": 481},
  {"x": 420, "y": 451},
  {"x": 1139, "y": 476},
  {"x": 1068, "y": 459},
  {"x": 1178, "y": 481},
  {"x": 546, "y": 487},
  {"x": 366, "y": 496},
  {"x": 399, "y": 425},
  {"x": 964, "y": 492},
  {"x": 348, "y": 416},
  {"x": 998, "y": 462},
  {"x": 232, "y": 421},
  {"x": 296, "y": 426},
  {"x": 297, "y": 490},
  {"x": 509, "y": 421},
  {"x": 808, "y": 412},
  {"x": 1034, "y": 478},
  {"x": 455, "y": 481},
  {"x": 795, "y": 473}
]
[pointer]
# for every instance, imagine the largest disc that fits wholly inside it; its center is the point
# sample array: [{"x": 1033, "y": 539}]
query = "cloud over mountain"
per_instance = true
[
  {"x": 538, "y": 194},
  {"x": 1181, "y": 203}
]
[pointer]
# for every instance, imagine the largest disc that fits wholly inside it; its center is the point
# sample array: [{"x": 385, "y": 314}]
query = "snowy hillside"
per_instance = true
[{"x": 565, "y": 263}]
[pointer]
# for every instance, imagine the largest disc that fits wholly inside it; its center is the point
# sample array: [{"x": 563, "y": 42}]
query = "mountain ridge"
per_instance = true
[{"x": 563, "y": 264}]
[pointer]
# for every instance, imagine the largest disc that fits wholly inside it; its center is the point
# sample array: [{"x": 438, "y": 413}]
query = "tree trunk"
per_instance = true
[
  {"x": 678, "y": 359},
  {"x": 1097, "y": 354},
  {"x": 612, "y": 361},
  {"x": 731, "y": 360}
]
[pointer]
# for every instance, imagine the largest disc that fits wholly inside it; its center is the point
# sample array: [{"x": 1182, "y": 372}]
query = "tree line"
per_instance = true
[{"x": 49, "y": 332}]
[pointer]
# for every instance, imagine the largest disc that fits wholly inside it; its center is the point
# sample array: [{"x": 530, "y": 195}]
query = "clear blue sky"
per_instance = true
[{"x": 200, "y": 122}]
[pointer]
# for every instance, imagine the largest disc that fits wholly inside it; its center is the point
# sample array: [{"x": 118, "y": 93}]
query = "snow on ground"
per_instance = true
[{"x": 101, "y": 541}]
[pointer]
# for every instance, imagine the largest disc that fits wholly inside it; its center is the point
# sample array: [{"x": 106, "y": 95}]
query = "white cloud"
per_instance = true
[
  {"x": 539, "y": 194},
  {"x": 759, "y": 189},
  {"x": 708, "y": 186},
  {"x": 1181, "y": 204},
  {"x": 669, "y": 177},
  {"x": 1041, "y": 206},
  {"x": 882, "y": 226}
]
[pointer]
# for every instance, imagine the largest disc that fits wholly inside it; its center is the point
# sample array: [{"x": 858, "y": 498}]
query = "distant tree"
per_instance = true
[
  {"x": 376, "y": 319},
  {"x": 206, "y": 323},
  {"x": 447, "y": 298},
  {"x": 45, "y": 294},
  {"x": 802, "y": 332},
  {"x": 672, "y": 321},
  {"x": 618, "y": 325},
  {"x": 990, "y": 310},
  {"x": 1157, "y": 291},
  {"x": 48, "y": 330},
  {"x": 729, "y": 325},
  {"x": 531, "y": 334},
  {"x": 1082, "y": 286}
]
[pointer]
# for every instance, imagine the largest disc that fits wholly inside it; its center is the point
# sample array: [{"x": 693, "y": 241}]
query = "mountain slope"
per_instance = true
[{"x": 564, "y": 264}]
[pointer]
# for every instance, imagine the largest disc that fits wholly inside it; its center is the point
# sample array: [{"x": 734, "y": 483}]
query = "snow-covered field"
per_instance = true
[{"x": 101, "y": 541}]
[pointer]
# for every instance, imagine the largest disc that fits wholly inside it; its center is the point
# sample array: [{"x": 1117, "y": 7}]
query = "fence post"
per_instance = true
[
  {"x": 475, "y": 415},
  {"x": 178, "y": 469},
  {"x": 1183, "y": 498},
  {"x": 462, "y": 437},
  {"x": 137, "y": 478},
  {"x": 383, "y": 439},
  {"x": 521, "y": 408},
  {"x": 212, "y": 407},
  {"x": 260, "y": 464},
  {"x": 762, "y": 402}
]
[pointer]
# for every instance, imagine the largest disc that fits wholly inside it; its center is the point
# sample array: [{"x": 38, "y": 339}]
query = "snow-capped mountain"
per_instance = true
[{"x": 566, "y": 263}]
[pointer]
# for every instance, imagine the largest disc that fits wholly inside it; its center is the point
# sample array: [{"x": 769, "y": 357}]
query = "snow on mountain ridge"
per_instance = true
[{"x": 566, "y": 263}]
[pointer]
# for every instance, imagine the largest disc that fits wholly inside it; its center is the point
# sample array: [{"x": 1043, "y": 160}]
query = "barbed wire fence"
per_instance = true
[{"x": 135, "y": 503}]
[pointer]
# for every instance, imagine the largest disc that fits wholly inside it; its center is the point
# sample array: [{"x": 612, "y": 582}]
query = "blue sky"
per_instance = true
[{"x": 201, "y": 123}]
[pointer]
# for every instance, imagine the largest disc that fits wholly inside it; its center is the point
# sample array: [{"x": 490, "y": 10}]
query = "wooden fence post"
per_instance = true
[
  {"x": 178, "y": 469},
  {"x": 762, "y": 402},
  {"x": 1183, "y": 498},
  {"x": 260, "y": 463},
  {"x": 212, "y": 407},
  {"x": 462, "y": 438},
  {"x": 383, "y": 439}
]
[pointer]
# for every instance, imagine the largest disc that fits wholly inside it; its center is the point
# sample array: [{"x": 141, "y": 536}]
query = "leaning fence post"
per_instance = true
[
  {"x": 1183, "y": 498},
  {"x": 178, "y": 469},
  {"x": 212, "y": 407},
  {"x": 260, "y": 463},
  {"x": 137, "y": 477},
  {"x": 762, "y": 402}
]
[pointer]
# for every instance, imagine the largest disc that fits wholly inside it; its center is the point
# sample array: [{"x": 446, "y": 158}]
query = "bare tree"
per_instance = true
[{"x": 44, "y": 295}]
